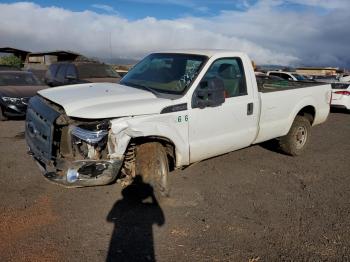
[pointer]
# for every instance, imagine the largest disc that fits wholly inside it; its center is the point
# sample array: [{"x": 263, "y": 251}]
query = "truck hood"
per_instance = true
[{"x": 104, "y": 100}]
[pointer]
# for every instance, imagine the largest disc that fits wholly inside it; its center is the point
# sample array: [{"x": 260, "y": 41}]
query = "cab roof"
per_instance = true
[{"x": 205, "y": 52}]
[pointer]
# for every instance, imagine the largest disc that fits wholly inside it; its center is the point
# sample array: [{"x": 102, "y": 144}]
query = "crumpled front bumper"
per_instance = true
[
  {"x": 82, "y": 173},
  {"x": 40, "y": 135}
]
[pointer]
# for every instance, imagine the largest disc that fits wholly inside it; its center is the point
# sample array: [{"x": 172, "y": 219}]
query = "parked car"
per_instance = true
[
  {"x": 262, "y": 76},
  {"x": 38, "y": 63},
  {"x": 344, "y": 78},
  {"x": 16, "y": 87},
  {"x": 341, "y": 95},
  {"x": 287, "y": 75},
  {"x": 340, "y": 90},
  {"x": 170, "y": 110},
  {"x": 67, "y": 73}
]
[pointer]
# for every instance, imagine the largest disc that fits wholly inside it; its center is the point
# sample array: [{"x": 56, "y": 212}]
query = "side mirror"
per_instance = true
[{"x": 210, "y": 93}]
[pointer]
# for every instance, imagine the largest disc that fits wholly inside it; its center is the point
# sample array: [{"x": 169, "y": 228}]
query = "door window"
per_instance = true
[
  {"x": 71, "y": 72},
  {"x": 281, "y": 75},
  {"x": 51, "y": 72},
  {"x": 230, "y": 71},
  {"x": 61, "y": 73}
]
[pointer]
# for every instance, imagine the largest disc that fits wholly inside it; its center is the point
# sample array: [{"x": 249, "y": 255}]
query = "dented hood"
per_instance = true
[{"x": 104, "y": 100}]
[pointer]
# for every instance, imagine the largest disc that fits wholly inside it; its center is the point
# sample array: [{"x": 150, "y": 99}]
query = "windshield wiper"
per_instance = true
[{"x": 141, "y": 87}]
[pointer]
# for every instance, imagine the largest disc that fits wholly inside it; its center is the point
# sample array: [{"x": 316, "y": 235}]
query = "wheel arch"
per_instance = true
[
  {"x": 309, "y": 112},
  {"x": 305, "y": 108},
  {"x": 168, "y": 144}
]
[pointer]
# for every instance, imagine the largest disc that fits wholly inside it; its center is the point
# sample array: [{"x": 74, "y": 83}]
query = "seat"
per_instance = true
[{"x": 228, "y": 74}]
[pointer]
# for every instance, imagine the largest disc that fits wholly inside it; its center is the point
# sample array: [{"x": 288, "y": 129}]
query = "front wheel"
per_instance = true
[
  {"x": 152, "y": 165},
  {"x": 295, "y": 142},
  {"x": 2, "y": 116}
]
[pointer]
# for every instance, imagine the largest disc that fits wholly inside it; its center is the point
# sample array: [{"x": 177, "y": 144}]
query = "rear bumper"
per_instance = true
[
  {"x": 82, "y": 173},
  {"x": 342, "y": 102},
  {"x": 339, "y": 106}
]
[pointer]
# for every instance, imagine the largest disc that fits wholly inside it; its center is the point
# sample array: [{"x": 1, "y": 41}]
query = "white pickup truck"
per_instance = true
[{"x": 170, "y": 110}]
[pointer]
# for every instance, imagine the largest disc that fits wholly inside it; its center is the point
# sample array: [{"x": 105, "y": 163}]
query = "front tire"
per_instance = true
[
  {"x": 295, "y": 142},
  {"x": 2, "y": 116},
  {"x": 152, "y": 165}
]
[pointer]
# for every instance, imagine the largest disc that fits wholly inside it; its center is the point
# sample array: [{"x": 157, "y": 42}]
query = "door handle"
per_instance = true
[{"x": 250, "y": 108}]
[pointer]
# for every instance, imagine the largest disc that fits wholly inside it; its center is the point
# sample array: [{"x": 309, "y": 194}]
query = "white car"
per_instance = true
[
  {"x": 344, "y": 78},
  {"x": 170, "y": 110},
  {"x": 287, "y": 75},
  {"x": 341, "y": 95}
]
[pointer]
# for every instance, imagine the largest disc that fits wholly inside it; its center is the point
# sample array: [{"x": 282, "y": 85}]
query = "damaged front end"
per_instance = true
[{"x": 70, "y": 152}]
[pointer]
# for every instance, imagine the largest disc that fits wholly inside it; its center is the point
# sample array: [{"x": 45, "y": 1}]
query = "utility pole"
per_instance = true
[{"x": 110, "y": 45}]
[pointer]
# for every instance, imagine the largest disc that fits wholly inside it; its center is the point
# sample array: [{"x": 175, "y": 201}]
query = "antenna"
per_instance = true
[{"x": 110, "y": 44}]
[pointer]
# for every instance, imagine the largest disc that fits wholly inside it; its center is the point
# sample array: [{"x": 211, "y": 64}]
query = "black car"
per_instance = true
[
  {"x": 68, "y": 73},
  {"x": 16, "y": 88}
]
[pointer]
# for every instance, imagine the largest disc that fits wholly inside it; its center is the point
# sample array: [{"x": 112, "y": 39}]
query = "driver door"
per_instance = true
[{"x": 229, "y": 126}]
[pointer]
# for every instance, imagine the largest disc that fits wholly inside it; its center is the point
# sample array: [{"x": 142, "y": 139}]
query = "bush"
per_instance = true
[{"x": 11, "y": 60}]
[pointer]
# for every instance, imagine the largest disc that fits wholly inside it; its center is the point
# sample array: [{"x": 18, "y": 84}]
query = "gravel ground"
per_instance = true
[{"x": 250, "y": 205}]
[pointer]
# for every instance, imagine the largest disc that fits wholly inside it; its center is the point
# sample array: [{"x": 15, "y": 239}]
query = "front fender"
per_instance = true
[{"x": 163, "y": 125}]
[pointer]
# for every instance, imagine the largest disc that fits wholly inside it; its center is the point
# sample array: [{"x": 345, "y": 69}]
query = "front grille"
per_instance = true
[{"x": 39, "y": 128}]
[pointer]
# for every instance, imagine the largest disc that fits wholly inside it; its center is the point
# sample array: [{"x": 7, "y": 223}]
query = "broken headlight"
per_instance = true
[{"x": 90, "y": 137}]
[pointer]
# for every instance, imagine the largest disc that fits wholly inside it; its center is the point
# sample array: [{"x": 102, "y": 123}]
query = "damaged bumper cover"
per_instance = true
[
  {"x": 72, "y": 153},
  {"x": 82, "y": 173}
]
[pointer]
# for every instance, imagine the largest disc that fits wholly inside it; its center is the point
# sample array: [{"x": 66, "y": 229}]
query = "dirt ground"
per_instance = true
[{"x": 250, "y": 205}]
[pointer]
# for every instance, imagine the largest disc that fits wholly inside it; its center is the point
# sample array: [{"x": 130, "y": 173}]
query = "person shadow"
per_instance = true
[{"x": 133, "y": 217}]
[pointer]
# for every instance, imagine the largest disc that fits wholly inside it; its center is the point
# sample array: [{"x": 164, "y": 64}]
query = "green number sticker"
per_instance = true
[{"x": 179, "y": 118}]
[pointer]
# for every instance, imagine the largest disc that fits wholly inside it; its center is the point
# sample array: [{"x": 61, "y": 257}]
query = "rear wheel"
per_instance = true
[
  {"x": 152, "y": 165},
  {"x": 295, "y": 142},
  {"x": 2, "y": 116}
]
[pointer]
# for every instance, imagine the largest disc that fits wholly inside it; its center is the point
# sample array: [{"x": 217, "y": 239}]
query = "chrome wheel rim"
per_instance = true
[
  {"x": 162, "y": 175},
  {"x": 301, "y": 137}
]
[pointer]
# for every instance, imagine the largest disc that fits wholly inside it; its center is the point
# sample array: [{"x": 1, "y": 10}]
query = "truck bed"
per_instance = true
[
  {"x": 270, "y": 85},
  {"x": 278, "y": 109}
]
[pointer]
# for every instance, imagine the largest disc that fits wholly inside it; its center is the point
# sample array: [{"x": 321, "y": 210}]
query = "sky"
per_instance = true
[{"x": 285, "y": 32}]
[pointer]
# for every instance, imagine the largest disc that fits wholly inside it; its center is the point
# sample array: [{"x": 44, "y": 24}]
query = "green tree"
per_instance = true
[{"x": 11, "y": 60}]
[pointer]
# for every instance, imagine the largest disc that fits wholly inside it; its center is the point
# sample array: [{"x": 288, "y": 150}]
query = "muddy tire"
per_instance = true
[
  {"x": 295, "y": 142},
  {"x": 152, "y": 165},
  {"x": 2, "y": 116}
]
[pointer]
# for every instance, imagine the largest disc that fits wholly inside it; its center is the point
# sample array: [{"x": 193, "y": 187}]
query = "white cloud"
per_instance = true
[
  {"x": 106, "y": 8},
  {"x": 267, "y": 35},
  {"x": 328, "y": 4}
]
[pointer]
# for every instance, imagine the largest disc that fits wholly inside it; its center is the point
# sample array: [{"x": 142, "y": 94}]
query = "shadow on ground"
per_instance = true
[
  {"x": 19, "y": 136},
  {"x": 340, "y": 110},
  {"x": 133, "y": 217},
  {"x": 273, "y": 146}
]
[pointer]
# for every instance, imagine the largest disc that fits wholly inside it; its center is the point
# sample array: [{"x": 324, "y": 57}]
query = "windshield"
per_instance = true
[
  {"x": 299, "y": 77},
  {"x": 18, "y": 79},
  {"x": 165, "y": 73},
  {"x": 96, "y": 71}
]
